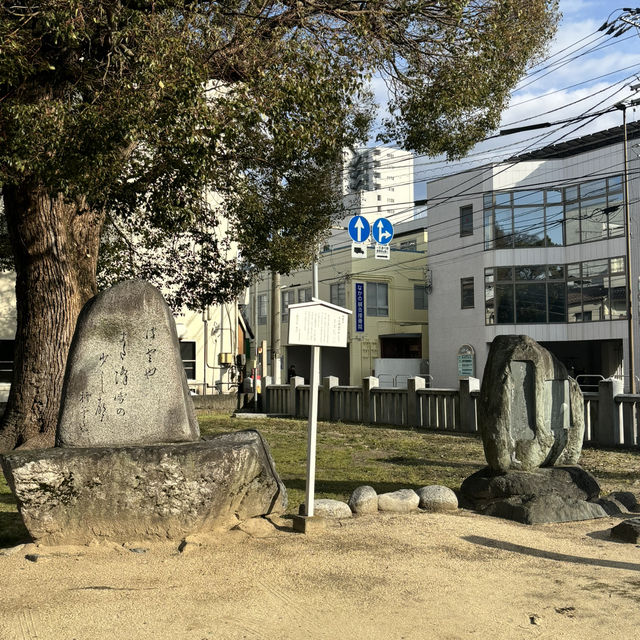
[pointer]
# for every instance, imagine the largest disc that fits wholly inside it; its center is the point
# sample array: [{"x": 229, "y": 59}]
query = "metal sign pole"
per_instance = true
[{"x": 312, "y": 431}]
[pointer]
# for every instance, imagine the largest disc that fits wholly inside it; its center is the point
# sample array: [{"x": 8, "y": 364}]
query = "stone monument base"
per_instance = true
[
  {"x": 544, "y": 495},
  {"x": 165, "y": 491}
]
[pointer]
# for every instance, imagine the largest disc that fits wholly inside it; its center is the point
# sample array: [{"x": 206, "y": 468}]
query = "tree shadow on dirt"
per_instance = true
[{"x": 550, "y": 555}]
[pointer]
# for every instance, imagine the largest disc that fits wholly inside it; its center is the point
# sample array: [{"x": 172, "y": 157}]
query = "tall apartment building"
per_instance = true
[
  {"x": 537, "y": 246},
  {"x": 378, "y": 182}
]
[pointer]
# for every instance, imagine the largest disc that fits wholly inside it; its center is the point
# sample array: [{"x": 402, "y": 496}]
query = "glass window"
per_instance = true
[
  {"x": 554, "y": 196},
  {"x": 593, "y": 188},
  {"x": 618, "y": 297},
  {"x": 557, "y": 301},
  {"x": 304, "y": 295},
  {"x": 262, "y": 308},
  {"x": 574, "y": 293},
  {"x": 466, "y": 220},
  {"x": 503, "y": 199},
  {"x": 488, "y": 228},
  {"x": 420, "y": 297},
  {"x": 504, "y": 273},
  {"x": 286, "y": 299},
  {"x": 528, "y": 197},
  {"x": 571, "y": 194},
  {"x": 593, "y": 219},
  {"x": 531, "y": 303},
  {"x": 503, "y": 229},
  {"x": 487, "y": 200},
  {"x": 504, "y": 303},
  {"x": 489, "y": 297},
  {"x": 615, "y": 220},
  {"x": 377, "y": 299},
  {"x": 528, "y": 226},
  {"x": 466, "y": 293},
  {"x": 572, "y": 223},
  {"x": 555, "y": 272},
  {"x": 188, "y": 357},
  {"x": 531, "y": 272},
  {"x": 337, "y": 294},
  {"x": 554, "y": 226}
]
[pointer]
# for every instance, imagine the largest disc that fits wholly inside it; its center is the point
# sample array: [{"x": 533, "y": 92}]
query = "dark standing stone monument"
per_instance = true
[
  {"x": 531, "y": 418},
  {"x": 130, "y": 463}
]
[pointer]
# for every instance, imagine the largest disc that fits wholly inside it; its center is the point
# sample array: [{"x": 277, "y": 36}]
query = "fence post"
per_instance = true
[
  {"x": 325, "y": 405},
  {"x": 368, "y": 406},
  {"x": 468, "y": 414},
  {"x": 292, "y": 404},
  {"x": 414, "y": 415},
  {"x": 610, "y": 423},
  {"x": 266, "y": 401}
]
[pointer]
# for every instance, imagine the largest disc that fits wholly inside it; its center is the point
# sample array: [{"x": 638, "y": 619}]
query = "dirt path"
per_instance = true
[{"x": 392, "y": 577}]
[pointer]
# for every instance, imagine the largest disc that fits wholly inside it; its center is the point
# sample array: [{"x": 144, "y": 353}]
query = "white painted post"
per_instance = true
[
  {"x": 413, "y": 401},
  {"x": 312, "y": 431}
]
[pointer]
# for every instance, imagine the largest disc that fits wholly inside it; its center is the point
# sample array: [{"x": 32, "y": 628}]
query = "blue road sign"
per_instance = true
[
  {"x": 359, "y": 306},
  {"x": 382, "y": 231},
  {"x": 359, "y": 229}
]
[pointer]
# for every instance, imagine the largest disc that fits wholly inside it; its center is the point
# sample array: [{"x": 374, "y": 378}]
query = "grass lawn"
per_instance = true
[{"x": 350, "y": 455}]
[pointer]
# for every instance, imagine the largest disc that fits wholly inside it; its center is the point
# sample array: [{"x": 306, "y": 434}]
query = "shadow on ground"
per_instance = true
[{"x": 550, "y": 555}]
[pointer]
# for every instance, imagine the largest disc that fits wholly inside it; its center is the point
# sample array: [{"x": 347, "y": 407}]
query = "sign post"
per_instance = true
[{"x": 318, "y": 324}]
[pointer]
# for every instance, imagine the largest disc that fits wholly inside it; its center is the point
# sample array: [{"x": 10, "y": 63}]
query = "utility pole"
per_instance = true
[
  {"x": 627, "y": 223},
  {"x": 276, "y": 328}
]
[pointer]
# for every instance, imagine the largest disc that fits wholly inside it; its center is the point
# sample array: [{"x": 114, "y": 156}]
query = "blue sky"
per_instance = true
[{"x": 585, "y": 71}]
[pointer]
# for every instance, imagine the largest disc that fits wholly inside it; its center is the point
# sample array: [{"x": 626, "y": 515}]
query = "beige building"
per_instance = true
[{"x": 388, "y": 327}]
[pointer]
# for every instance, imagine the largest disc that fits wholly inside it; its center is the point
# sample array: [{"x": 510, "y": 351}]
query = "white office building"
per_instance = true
[{"x": 537, "y": 246}]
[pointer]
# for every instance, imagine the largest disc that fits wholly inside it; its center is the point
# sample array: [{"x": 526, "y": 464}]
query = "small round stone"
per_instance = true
[
  {"x": 364, "y": 500},
  {"x": 401, "y": 501},
  {"x": 437, "y": 498}
]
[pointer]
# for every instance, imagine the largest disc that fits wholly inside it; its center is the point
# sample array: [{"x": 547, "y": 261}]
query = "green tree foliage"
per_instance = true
[{"x": 120, "y": 118}]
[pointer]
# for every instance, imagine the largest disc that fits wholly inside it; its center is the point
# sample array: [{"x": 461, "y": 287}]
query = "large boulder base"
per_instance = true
[
  {"x": 550, "y": 494},
  {"x": 544, "y": 509},
  {"x": 570, "y": 482},
  {"x": 73, "y": 495},
  {"x": 528, "y": 408},
  {"x": 125, "y": 382}
]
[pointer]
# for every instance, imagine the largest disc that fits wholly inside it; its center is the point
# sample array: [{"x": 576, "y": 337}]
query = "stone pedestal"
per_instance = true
[{"x": 74, "y": 495}]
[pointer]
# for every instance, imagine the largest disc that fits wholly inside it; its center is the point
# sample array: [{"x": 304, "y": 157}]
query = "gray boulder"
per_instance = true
[
  {"x": 627, "y": 498},
  {"x": 524, "y": 408},
  {"x": 544, "y": 509},
  {"x": 364, "y": 500},
  {"x": 437, "y": 498},
  {"x": 568, "y": 482},
  {"x": 125, "y": 382},
  {"x": 71, "y": 495},
  {"x": 627, "y": 531},
  {"x": 327, "y": 508},
  {"x": 401, "y": 501}
]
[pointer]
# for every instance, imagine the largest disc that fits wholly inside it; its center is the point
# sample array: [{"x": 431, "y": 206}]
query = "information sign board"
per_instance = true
[{"x": 319, "y": 324}]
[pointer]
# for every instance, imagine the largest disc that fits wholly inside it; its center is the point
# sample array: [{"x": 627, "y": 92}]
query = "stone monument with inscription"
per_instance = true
[
  {"x": 125, "y": 381},
  {"x": 531, "y": 418},
  {"x": 129, "y": 463}
]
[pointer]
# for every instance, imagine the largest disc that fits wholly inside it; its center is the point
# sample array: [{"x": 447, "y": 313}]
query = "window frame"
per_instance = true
[
  {"x": 467, "y": 284},
  {"x": 466, "y": 220}
]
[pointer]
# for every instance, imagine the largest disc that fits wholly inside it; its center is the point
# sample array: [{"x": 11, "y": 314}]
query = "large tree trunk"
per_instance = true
[{"x": 55, "y": 246}]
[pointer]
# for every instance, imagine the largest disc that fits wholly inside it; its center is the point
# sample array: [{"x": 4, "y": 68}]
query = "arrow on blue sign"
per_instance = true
[
  {"x": 359, "y": 229},
  {"x": 382, "y": 231}
]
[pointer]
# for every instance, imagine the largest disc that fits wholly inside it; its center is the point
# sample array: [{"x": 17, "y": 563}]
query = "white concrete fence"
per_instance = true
[{"x": 611, "y": 417}]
